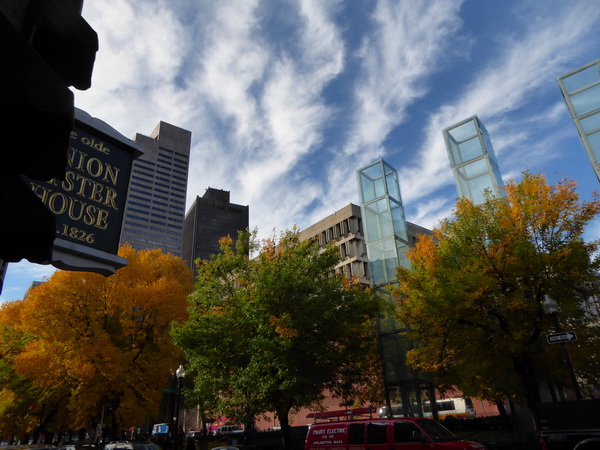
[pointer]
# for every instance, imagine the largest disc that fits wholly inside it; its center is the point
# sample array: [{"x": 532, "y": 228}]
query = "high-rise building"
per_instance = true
[
  {"x": 155, "y": 206},
  {"x": 473, "y": 160},
  {"x": 210, "y": 218},
  {"x": 581, "y": 90}
]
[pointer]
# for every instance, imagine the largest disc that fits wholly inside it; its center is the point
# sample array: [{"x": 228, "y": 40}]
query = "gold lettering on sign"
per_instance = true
[{"x": 88, "y": 192}]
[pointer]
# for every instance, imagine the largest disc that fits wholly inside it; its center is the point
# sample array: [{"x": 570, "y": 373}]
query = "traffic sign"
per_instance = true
[{"x": 563, "y": 336}]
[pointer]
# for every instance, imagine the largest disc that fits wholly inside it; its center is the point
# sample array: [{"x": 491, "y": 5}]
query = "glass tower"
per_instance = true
[
  {"x": 473, "y": 160},
  {"x": 386, "y": 239},
  {"x": 581, "y": 90}
]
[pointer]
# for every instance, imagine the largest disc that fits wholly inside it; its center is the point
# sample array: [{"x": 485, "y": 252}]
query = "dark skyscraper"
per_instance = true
[
  {"x": 155, "y": 206},
  {"x": 211, "y": 217}
]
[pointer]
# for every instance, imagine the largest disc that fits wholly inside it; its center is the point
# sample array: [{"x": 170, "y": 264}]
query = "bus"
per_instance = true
[{"x": 448, "y": 408}]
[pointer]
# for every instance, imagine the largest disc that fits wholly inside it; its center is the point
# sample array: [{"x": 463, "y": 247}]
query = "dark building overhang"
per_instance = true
[{"x": 50, "y": 49}]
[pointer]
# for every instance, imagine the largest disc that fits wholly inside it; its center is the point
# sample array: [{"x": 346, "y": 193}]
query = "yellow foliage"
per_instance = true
[
  {"x": 104, "y": 340},
  {"x": 282, "y": 329}
]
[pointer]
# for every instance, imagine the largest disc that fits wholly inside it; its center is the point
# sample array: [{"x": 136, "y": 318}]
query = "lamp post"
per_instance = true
[
  {"x": 550, "y": 307},
  {"x": 179, "y": 373}
]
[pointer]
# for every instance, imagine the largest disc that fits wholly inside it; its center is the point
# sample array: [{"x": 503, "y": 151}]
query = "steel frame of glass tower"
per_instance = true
[
  {"x": 473, "y": 160},
  {"x": 581, "y": 91},
  {"x": 386, "y": 240}
]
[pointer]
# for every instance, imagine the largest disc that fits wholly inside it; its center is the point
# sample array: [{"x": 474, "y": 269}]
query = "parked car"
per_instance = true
[
  {"x": 29, "y": 447},
  {"x": 126, "y": 445},
  {"x": 225, "y": 430},
  {"x": 385, "y": 434},
  {"x": 234, "y": 447}
]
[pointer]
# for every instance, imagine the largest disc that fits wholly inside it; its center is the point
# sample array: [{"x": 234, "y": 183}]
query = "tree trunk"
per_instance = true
[
  {"x": 284, "y": 421},
  {"x": 524, "y": 368},
  {"x": 503, "y": 413}
]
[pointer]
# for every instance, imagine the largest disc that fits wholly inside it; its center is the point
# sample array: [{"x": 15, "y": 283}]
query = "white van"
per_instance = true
[{"x": 226, "y": 430}]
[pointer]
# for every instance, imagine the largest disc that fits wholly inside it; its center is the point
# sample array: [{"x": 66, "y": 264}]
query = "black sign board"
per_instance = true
[{"x": 89, "y": 202}]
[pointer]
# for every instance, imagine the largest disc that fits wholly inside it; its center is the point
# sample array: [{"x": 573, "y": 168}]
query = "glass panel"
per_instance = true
[
  {"x": 590, "y": 123},
  {"x": 373, "y": 171},
  {"x": 463, "y": 131},
  {"x": 398, "y": 220},
  {"x": 367, "y": 189},
  {"x": 379, "y": 188},
  {"x": 377, "y": 433},
  {"x": 455, "y": 152},
  {"x": 406, "y": 432},
  {"x": 401, "y": 251},
  {"x": 383, "y": 260},
  {"x": 475, "y": 168},
  {"x": 356, "y": 433},
  {"x": 478, "y": 185},
  {"x": 496, "y": 174},
  {"x": 487, "y": 143},
  {"x": 594, "y": 140},
  {"x": 377, "y": 219},
  {"x": 471, "y": 149},
  {"x": 582, "y": 78},
  {"x": 392, "y": 186},
  {"x": 586, "y": 101}
]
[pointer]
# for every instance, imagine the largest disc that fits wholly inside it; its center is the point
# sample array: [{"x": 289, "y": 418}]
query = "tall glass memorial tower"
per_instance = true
[
  {"x": 473, "y": 160},
  {"x": 386, "y": 240},
  {"x": 581, "y": 90}
]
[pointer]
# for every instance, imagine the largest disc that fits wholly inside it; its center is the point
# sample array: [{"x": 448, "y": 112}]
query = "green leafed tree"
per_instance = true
[
  {"x": 274, "y": 332},
  {"x": 474, "y": 294}
]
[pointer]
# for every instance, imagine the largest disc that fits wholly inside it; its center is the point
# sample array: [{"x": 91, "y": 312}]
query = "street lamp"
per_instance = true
[
  {"x": 179, "y": 373},
  {"x": 550, "y": 307}
]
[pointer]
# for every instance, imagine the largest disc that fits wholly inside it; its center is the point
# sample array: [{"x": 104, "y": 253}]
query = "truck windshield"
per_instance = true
[{"x": 437, "y": 432}]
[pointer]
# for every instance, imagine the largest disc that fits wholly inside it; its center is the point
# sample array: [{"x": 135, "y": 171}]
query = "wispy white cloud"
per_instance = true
[
  {"x": 398, "y": 57},
  {"x": 270, "y": 106},
  {"x": 257, "y": 107},
  {"x": 526, "y": 65}
]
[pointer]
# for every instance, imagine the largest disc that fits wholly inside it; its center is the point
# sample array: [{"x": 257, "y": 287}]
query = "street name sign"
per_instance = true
[{"x": 564, "y": 336}]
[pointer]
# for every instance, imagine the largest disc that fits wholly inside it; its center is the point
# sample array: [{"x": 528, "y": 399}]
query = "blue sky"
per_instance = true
[{"x": 286, "y": 99}]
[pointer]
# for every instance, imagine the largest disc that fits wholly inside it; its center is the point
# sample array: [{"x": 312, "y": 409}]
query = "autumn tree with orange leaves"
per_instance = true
[
  {"x": 474, "y": 294},
  {"x": 82, "y": 343}
]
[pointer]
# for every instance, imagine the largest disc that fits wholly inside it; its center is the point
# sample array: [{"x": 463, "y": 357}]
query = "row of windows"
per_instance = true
[
  {"x": 143, "y": 161},
  {"x": 135, "y": 233},
  {"x": 357, "y": 268},
  {"x": 171, "y": 176},
  {"x": 377, "y": 433},
  {"x": 143, "y": 171},
  {"x": 149, "y": 208},
  {"x": 339, "y": 230},
  {"x": 174, "y": 152},
  {"x": 147, "y": 227},
  {"x": 178, "y": 207}
]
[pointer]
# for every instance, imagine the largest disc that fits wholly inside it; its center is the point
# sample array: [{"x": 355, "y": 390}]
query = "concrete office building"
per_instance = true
[
  {"x": 155, "y": 206},
  {"x": 581, "y": 90},
  {"x": 344, "y": 227},
  {"x": 210, "y": 218}
]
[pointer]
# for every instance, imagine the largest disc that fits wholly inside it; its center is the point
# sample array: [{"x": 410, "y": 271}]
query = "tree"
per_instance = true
[
  {"x": 272, "y": 333},
  {"x": 474, "y": 294},
  {"x": 85, "y": 343}
]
